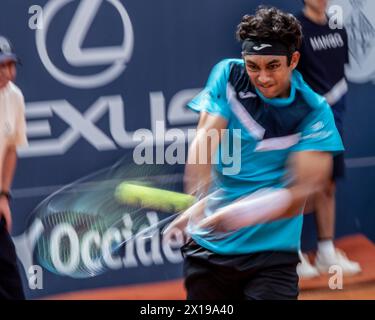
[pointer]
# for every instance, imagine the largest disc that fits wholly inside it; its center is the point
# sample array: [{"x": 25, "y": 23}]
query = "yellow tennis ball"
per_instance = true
[{"x": 153, "y": 198}]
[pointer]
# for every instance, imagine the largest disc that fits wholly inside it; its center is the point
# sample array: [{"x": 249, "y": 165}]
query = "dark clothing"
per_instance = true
[
  {"x": 324, "y": 53},
  {"x": 10, "y": 280},
  {"x": 339, "y": 160},
  {"x": 259, "y": 276}
]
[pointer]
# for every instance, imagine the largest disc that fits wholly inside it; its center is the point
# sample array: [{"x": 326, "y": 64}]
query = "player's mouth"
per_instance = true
[
  {"x": 261, "y": 86},
  {"x": 268, "y": 91},
  {"x": 265, "y": 89}
]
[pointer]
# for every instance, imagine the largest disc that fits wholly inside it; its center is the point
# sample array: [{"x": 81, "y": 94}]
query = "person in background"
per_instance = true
[
  {"x": 324, "y": 53},
  {"x": 12, "y": 135}
]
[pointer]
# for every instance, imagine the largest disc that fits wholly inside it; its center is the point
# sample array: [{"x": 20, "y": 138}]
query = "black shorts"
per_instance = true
[
  {"x": 259, "y": 276},
  {"x": 339, "y": 160},
  {"x": 10, "y": 280},
  {"x": 338, "y": 167}
]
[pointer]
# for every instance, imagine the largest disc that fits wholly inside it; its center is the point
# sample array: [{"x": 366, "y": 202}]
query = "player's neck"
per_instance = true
[
  {"x": 315, "y": 16},
  {"x": 285, "y": 93}
]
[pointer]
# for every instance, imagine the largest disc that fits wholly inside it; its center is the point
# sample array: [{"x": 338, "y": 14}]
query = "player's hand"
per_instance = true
[
  {"x": 5, "y": 213},
  {"x": 214, "y": 222},
  {"x": 194, "y": 213},
  {"x": 178, "y": 224}
]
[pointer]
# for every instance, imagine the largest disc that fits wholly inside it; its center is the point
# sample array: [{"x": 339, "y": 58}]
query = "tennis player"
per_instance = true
[{"x": 287, "y": 138}]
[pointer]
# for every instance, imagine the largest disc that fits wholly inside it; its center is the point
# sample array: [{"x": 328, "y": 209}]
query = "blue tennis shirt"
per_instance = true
[{"x": 263, "y": 133}]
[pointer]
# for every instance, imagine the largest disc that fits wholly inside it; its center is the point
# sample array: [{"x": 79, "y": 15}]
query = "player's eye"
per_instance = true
[
  {"x": 273, "y": 66},
  {"x": 252, "y": 68}
]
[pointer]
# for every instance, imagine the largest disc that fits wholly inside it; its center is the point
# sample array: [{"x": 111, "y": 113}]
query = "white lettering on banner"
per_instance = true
[
  {"x": 65, "y": 230},
  {"x": 178, "y": 114},
  {"x": 110, "y": 237},
  {"x": 83, "y": 125},
  {"x": 40, "y": 131},
  {"x": 154, "y": 255},
  {"x": 26, "y": 242},
  {"x": 91, "y": 239},
  {"x": 72, "y": 46},
  {"x": 146, "y": 250}
]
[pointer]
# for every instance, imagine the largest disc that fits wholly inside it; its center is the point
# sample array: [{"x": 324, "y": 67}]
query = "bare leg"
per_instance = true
[
  {"x": 325, "y": 207},
  {"x": 327, "y": 254}
]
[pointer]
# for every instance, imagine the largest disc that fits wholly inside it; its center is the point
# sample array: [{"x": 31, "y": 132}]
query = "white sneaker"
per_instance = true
[
  {"x": 305, "y": 269},
  {"x": 323, "y": 263}
]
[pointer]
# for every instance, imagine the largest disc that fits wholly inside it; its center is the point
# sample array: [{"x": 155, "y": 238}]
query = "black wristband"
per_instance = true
[{"x": 6, "y": 194}]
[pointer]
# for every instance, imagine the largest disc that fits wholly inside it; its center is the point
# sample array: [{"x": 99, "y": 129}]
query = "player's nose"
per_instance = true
[{"x": 264, "y": 79}]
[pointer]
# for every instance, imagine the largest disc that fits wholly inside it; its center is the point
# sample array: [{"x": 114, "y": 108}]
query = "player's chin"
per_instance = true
[{"x": 269, "y": 92}]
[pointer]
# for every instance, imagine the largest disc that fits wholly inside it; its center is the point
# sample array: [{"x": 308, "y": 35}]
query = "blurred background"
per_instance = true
[{"x": 95, "y": 71}]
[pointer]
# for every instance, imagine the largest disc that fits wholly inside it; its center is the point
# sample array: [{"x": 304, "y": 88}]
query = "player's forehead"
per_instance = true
[{"x": 264, "y": 59}]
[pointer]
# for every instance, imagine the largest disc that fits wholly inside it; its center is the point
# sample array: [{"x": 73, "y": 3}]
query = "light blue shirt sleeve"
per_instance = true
[
  {"x": 319, "y": 132},
  {"x": 213, "y": 98}
]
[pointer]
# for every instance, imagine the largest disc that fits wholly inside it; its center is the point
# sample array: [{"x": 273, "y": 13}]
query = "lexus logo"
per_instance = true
[{"x": 116, "y": 57}]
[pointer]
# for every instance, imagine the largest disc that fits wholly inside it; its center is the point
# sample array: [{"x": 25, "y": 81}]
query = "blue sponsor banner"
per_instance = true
[{"x": 94, "y": 72}]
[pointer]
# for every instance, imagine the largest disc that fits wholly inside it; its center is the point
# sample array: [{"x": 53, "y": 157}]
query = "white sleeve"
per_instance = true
[{"x": 20, "y": 138}]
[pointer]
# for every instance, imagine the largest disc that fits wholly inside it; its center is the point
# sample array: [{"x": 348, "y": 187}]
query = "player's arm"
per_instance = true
[
  {"x": 197, "y": 176},
  {"x": 9, "y": 166},
  {"x": 10, "y": 160},
  {"x": 309, "y": 169},
  {"x": 215, "y": 112}
]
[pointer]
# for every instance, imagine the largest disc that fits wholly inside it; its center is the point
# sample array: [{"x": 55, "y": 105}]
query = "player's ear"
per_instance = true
[{"x": 295, "y": 59}]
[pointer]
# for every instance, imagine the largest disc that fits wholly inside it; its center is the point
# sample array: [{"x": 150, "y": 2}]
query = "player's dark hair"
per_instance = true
[{"x": 270, "y": 23}]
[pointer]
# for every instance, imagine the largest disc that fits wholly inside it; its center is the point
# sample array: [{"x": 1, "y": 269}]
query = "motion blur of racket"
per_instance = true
[
  {"x": 133, "y": 201},
  {"x": 81, "y": 226}
]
